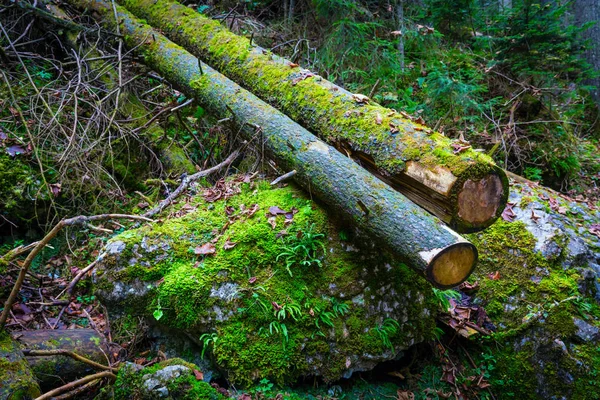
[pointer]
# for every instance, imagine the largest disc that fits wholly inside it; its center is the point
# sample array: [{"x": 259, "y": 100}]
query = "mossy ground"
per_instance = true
[
  {"x": 264, "y": 321},
  {"x": 533, "y": 301}
]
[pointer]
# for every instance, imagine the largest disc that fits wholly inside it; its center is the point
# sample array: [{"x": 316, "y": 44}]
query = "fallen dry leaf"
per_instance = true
[
  {"x": 378, "y": 119},
  {"x": 405, "y": 395},
  {"x": 494, "y": 276},
  {"x": 205, "y": 249},
  {"x": 199, "y": 375},
  {"x": 360, "y": 98},
  {"x": 534, "y": 217},
  {"x": 459, "y": 148},
  {"x": 229, "y": 245},
  {"x": 508, "y": 214},
  {"x": 274, "y": 210},
  {"x": 595, "y": 230}
]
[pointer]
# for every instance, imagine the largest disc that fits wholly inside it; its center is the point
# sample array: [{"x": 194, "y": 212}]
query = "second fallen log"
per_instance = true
[
  {"x": 418, "y": 238},
  {"x": 459, "y": 185}
]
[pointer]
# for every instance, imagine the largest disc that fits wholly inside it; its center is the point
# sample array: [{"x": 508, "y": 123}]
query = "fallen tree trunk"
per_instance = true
[
  {"x": 424, "y": 242},
  {"x": 51, "y": 370},
  {"x": 461, "y": 186}
]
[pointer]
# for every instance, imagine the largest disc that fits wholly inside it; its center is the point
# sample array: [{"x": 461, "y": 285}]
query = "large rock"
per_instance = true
[
  {"x": 269, "y": 285},
  {"x": 538, "y": 279},
  {"x": 171, "y": 379}
]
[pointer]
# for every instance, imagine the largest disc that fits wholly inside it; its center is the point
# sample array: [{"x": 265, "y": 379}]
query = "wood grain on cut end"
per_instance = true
[
  {"x": 479, "y": 200},
  {"x": 453, "y": 265}
]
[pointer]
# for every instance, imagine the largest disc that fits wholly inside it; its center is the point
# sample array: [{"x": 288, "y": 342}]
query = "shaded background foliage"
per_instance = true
[{"x": 513, "y": 77}]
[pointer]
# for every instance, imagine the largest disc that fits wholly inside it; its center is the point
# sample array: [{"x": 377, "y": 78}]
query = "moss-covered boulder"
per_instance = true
[
  {"x": 171, "y": 379},
  {"x": 16, "y": 379},
  {"x": 538, "y": 278},
  {"x": 268, "y": 284}
]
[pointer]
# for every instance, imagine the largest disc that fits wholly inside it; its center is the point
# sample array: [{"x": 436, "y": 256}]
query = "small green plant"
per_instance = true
[
  {"x": 339, "y": 308},
  {"x": 87, "y": 299},
  {"x": 264, "y": 386},
  {"x": 438, "y": 332},
  {"x": 279, "y": 328},
  {"x": 388, "y": 328},
  {"x": 533, "y": 173},
  {"x": 302, "y": 249},
  {"x": 289, "y": 310},
  {"x": 443, "y": 297},
  {"x": 208, "y": 340},
  {"x": 158, "y": 312}
]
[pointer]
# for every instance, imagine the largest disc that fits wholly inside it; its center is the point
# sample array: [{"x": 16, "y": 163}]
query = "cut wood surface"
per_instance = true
[
  {"x": 420, "y": 239},
  {"x": 461, "y": 186},
  {"x": 52, "y": 371}
]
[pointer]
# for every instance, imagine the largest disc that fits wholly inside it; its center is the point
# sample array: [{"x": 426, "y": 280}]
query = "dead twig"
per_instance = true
[
  {"x": 72, "y": 385},
  {"x": 79, "y": 220},
  {"x": 77, "y": 391},
  {"x": 186, "y": 182},
  {"x": 284, "y": 177},
  {"x": 81, "y": 274},
  {"x": 66, "y": 353}
]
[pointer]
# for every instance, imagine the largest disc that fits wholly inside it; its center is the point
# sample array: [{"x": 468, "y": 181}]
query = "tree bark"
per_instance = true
[
  {"x": 400, "y": 16},
  {"x": 420, "y": 239},
  {"x": 52, "y": 371},
  {"x": 466, "y": 190},
  {"x": 589, "y": 11}
]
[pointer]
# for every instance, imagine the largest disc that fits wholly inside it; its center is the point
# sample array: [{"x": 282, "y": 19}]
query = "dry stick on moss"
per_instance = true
[
  {"x": 72, "y": 385},
  {"x": 79, "y": 220},
  {"x": 390, "y": 219},
  {"x": 186, "y": 182},
  {"x": 67, "y": 353}
]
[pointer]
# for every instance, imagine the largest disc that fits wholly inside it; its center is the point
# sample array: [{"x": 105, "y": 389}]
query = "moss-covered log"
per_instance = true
[
  {"x": 55, "y": 370},
  {"x": 423, "y": 241},
  {"x": 16, "y": 379},
  {"x": 461, "y": 186}
]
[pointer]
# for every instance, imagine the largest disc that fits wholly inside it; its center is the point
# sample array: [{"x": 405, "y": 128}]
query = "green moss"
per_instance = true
[
  {"x": 129, "y": 384},
  {"x": 235, "y": 291},
  {"x": 16, "y": 379},
  {"x": 17, "y": 181},
  {"x": 533, "y": 302}
]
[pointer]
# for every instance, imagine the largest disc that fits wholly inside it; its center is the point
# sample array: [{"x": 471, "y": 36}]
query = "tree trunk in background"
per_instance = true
[
  {"x": 400, "y": 16},
  {"x": 589, "y": 11}
]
